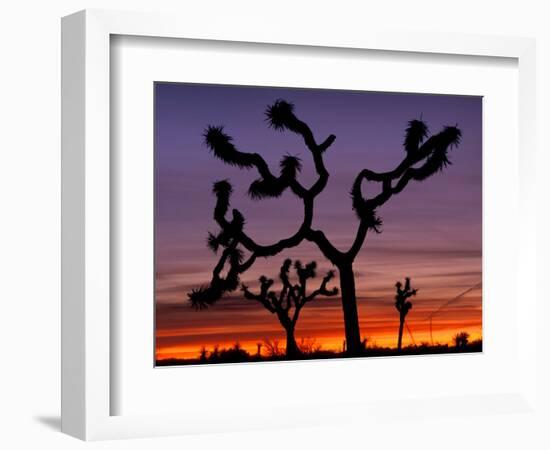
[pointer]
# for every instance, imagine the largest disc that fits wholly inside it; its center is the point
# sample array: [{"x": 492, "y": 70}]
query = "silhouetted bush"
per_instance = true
[
  {"x": 461, "y": 339},
  {"x": 274, "y": 352}
]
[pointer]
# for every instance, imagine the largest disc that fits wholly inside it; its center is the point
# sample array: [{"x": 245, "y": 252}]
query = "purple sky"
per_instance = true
[{"x": 431, "y": 230}]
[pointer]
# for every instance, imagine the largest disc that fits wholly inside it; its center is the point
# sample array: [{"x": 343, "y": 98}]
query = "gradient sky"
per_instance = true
[{"x": 431, "y": 231}]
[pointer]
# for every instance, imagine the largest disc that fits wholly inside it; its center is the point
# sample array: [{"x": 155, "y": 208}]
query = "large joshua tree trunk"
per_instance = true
[
  {"x": 349, "y": 307},
  {"x": 292, "y": 349}
]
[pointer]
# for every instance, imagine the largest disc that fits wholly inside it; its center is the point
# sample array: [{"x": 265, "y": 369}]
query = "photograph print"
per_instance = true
[{"x": 301, "y": 224}]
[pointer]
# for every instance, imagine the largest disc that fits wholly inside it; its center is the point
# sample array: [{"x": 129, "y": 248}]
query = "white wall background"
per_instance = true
[{"x": 30, "y": 197}]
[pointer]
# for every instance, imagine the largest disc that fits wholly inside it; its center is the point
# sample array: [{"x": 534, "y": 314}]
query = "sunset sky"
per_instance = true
[{"x": 431, "y": 231}]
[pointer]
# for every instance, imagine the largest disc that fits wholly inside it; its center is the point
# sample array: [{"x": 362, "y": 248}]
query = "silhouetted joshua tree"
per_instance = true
[
  {"x": 288, "y": 303},
  {"x": 424, "y": 156},
  {"x": 403, "y": 305},
  {"x": 461, "y": 339}
]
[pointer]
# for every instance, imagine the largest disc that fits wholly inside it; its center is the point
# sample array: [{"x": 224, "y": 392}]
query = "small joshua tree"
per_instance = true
[
  {"x": 403, "y": 305},
  {"x": 423, "y": 157},
  {"x": 461, "y": 339},
  {"x": 289, "y": 301}
]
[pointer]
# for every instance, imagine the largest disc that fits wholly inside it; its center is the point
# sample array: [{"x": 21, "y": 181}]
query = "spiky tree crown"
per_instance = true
[
  {"x": 438, "y": 159},
  {"x": 213, "y": 242},
  {"x": 280, "y": 115},
  {"x": 272, "y": 187},
  {"x": 222, "y": 188},
  {"x": 222, "y": 147},
  {"x": 450, "y": 136},
  {"x": 402, "y": 304},
  {"x": 307, "y": 271},
  {"x": 205, "y": 296},
  {"x": 415, "y": 134},
  {"x": 267, "y": 188},
  {"x": 290, "y": 166}
]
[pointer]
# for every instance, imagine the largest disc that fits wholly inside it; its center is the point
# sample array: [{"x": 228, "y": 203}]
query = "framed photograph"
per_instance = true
[
  {"x": 289, "y": 278},
  {"x": 247, "y": 206}
]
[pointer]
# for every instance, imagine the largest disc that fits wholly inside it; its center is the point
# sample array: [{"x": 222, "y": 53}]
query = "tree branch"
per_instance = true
[
  {"x": 322, "y": 290},
  {"x": 222, "y": 190},
  {"x": 301, "y": 300},
  {"x": 221, "y": 145},
  {"x": 262, "y": 297},
  {"x": 358, "y": 241},
  {"x": 329, "y": 251},
  {"x": 281, "y": 116},
  {"x": 434, "y": 154}
]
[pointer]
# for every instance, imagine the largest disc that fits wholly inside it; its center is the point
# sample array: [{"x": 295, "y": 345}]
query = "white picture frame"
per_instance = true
[{"x": 86, "y": 240}]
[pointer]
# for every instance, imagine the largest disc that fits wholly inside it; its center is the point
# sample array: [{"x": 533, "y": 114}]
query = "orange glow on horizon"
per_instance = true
[{"x": 387, "y": 339}]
